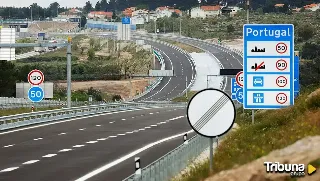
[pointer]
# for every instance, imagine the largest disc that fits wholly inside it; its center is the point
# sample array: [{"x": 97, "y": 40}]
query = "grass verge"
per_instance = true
[
  {"x": 186, "y": 47},
  {"x": 185, "y": 98},
  {"x": 6, "y": 112},
  {"x": 273, "y": 129}
]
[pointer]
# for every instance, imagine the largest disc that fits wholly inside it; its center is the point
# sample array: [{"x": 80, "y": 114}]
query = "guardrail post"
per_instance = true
[
  {"x": 137, "y": 168},
  {"x": 185, "y": 138}
]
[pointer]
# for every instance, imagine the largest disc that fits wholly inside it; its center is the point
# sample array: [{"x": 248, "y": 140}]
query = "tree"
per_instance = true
[
  {"x": 104, "y": 5},
  {"x": 91, "y": 54},
  {"x": 88, "y": 7},
  {"x": 7, "y": 79},
  {"x": 230, "y": 28},
  {"x": 306, "y": 32},
  {"x": 174, "y": 15},
  {"x": 98, "y": 6},
  {"x": 83, "y": 21},
  {"x": 91, "y": 42}
]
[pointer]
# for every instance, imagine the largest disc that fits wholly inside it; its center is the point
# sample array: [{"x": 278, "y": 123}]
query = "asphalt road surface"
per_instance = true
[{"x": 70, "y": 149}]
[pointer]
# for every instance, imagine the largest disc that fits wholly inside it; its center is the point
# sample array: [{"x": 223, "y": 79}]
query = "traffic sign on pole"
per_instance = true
[
  {"x": 126, "y": 20},
  {"x": 36, "y": 94},
  {"x": 35, "y": 77},
  {"x": 268, "y": 66},
  {"x": 239, "y": 78},
  {"x": 211, "y": 112},
  {"x": 239, "y": 95},
  {"x": 234, "y": 88},
  {"x": 296, "y": 76}
]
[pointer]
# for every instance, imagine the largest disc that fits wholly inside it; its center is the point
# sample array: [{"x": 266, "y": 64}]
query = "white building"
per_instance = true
[
  {"x": 140, "y": 12},
  {"x": 167, "y": 11},
  {"x": 205, "y": 11},
  {"x": 312, "y": 7}
]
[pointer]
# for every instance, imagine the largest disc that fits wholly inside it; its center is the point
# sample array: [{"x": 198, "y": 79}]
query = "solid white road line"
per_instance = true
[
  {"x": 154, "y": 125},
  {"x": 9, "y": 169},
  {"x": 102, "y": 139},
  {"x": 91, "y": 142},
  {"x": 49, "y": 155},
  {"x": 8, "y": 146},
  {"x": 30, "y": 162},
  {"x": 147, "y": 127},
  {"x": 65, "y": 150},
  {"x": 129, "y": 132},
  {"x": 121, "y": 134},
  {"x": 113, "y": 136},
  {"x": 78, "y": 146},
  {"x": 109, "y": 165},
  {"x": 68, "y": 120},
  {"x": 142, "y": 129}
]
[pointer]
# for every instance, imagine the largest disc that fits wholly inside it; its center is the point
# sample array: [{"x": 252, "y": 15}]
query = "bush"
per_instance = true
[{"x": 116, "y": 98}]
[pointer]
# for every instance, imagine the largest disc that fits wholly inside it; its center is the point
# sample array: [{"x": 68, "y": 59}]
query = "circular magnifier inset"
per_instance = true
[{"x": 211, "y": 112}]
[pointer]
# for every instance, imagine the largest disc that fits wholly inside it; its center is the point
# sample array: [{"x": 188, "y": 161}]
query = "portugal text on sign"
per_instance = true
[{"x": 268, "y": 66}]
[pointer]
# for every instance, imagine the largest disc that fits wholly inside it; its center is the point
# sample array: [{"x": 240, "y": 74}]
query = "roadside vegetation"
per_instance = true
[
  {"x": 183, "y": 46},
  {"x": 21, "y": 50},
  {"x": 185, "y": 98},
  {"x": 6, "y": 112}
]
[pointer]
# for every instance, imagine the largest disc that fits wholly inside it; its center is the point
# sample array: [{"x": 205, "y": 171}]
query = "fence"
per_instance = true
[{"x": 173, "y": 162}]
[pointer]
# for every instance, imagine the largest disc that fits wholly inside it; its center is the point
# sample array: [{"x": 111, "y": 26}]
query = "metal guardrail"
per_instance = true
[
  {"x": 173, "y": 162},
  {"x": 19, "y": 120}
]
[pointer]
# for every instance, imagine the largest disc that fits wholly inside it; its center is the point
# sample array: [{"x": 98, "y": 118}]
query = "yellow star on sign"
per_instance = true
[{"x": 311, "y": 169}]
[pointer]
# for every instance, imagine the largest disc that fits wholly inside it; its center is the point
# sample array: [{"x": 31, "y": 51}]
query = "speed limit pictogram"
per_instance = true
[
  {"x": 281, "y": 98},
  {"x": 239, "y": 78},
  {"x": 281, "y": 64},
  {"x": 281, "y": 48},
  {"x": 35, "y": 77},
  {"x": 281, "y": 81}
]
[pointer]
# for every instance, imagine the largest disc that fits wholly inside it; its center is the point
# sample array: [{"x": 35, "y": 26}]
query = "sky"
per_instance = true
[{"x": 46, "y": 3}]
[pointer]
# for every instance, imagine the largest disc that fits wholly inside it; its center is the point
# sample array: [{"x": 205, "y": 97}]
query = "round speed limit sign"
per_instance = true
[
  {"x": 239, "y": 78},
  {"x": 281, "y": 48},
  {"x": 35, "y": 77}
]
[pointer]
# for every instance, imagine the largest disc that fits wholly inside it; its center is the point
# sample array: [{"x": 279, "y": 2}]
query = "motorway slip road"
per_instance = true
[{"x": 70, "y": 149}]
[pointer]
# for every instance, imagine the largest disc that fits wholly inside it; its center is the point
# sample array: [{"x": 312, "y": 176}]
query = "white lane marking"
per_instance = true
[
  {"x": 154, "y": 125},
  {"x": 151, "y": 113},
  {"x": 142, "y": 115},
  {"x": 68, "y": 120},
  {"x": 113, "y": 136},
  {"x": 62, "y": 133},
  {"x": 109, "y": 165},
  {"x": 102, "y": 139},
  {"x": 65, "y": 150},
  {"x": 98, "y": 125},
  {"x": 36, "y": 139},
  {"x": 123, "y": 119},
  {"x": 175, "y": 109},
  {"x": 132, "y": 117},
  {"x": 142, "y": 129},
  {"x": 30, "y": 162},
  {"x": 135, "y": 131},
  {"x": 49, "y": 155},
  {"x": 82, "y": 129},
  {"x": 111, "y": 122},
  {"x": 78, "y": 146},
  {"x": 91, "y": 142},
  {"x": 147, "y": 127},
  {"x": 129, "y": 132},
  {"x": 8, "y": 146},
  {"x": 9, "y": 169},
  {"x": 121, "y": 134},
  {"x": 157, "y": 112}
]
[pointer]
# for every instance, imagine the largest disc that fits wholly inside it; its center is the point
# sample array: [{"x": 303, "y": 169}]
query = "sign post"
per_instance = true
[{"x": 268, "y": 66}]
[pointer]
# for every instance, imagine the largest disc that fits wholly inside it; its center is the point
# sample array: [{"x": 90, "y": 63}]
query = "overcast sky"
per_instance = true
[{"x": 46, "y": 3}]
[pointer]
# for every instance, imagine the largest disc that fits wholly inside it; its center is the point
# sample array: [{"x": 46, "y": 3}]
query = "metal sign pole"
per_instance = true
[
  {"x": 186, "y": 87},
  {"x": 211, "y": 154},
  {"x": 69, "y": 75},
  {"x": 252, "y": 116}
]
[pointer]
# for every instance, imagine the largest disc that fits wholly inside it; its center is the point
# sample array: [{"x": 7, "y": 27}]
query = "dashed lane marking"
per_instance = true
[
  {"x": 78, "y": 146},
  {"x": 91, "y": 142},
  {"x": 154, "y": 125},
  {"x": 102, "y": 139},
  {"x": 9, "y": 169},
  {"x": 82, "y": 129},
  {"x": 123, "y": 119},
  {"x": 36, "y": 139},
  {"x": 98, "y": 125},
  {"x": 147, "y": 127},
  {"x": 151, "y": 113},
  {"x": 113, "y": 136},
  {"x": 142, "y": 129},
  {"x": 111, "y": 122},
  {"x": 8, "y": 146},
  {"x": 65, "y": 150},
  {"x": 129, "y": 132},
  {"x": 62, "y": 133},
  {"x": 49, "y": 155},
  {"x": 121, "y": 134},
  {"x": 30, "y": 162}
]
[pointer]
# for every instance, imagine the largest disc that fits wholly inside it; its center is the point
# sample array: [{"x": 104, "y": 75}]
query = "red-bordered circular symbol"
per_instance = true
[
  {"x": 281, "y": 64},
  {"x": 35, "y": 77},
  {"x": 281, "y": 48},
  {"x": 239, "y": 78},
  {"x": 281, "y": 81},
  {"x": 281, "y": 98}
]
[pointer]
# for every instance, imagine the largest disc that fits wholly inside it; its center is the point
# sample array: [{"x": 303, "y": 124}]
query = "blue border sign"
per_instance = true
[
  {"x": 239, "y": 95},
  {"x": 36, "y": 94},
  {"x": 234, "y": 88},
  {"x": 268, "y": 66},
  {"x": 126, "y": 20},
  {"x": 296, "y": 76}
]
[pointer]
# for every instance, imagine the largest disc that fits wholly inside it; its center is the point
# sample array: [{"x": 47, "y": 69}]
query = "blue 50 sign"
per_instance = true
[{"x": 36, "y": 94}]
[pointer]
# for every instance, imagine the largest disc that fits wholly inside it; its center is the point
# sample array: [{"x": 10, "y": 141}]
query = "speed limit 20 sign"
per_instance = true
[{"x": 35, "y": 77}]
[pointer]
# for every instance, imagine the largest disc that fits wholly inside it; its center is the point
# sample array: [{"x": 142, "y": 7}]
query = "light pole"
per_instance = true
[
  {"x": 31, "y": 12},
  {"x": 155, "y": 26},
  {"x": 248, "y": 6},
  {"x": 180, "y": 25}
]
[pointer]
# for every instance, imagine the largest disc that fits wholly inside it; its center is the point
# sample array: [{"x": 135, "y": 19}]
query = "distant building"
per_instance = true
[
  {"x": 205, "y": 11},
  {"x": 140, "y": 12},
  {"x": 71, "y": 13},
  {"x": 278, "y": 5},
  {"x": 312, "y": 7},
  {"x": 167, "y": 11},
  {"x": 231, "y": 10},
  {"x": 100, "y": 15},
  {"x": 128, "y": 11}
]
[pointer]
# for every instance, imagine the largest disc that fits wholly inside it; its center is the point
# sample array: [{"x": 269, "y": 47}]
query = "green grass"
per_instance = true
[
  {"x": 273, "y": 129},
  {"x": 184, "y": 98},
  {"x": 6, "y": 112}
]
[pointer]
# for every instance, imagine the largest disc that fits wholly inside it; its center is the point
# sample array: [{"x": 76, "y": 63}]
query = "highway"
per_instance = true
[{"x": 69, "y": 150}]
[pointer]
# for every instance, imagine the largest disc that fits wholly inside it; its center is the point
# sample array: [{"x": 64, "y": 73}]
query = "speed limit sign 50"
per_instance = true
[
  {"x": 35, "y": 77},
  {"x": 281, "y": 48}
]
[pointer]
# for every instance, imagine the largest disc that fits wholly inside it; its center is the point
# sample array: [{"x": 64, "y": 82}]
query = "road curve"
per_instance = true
[{"x": 69, "y": 150}]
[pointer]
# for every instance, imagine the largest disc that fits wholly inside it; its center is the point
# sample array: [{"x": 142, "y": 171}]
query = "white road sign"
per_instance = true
[
  {"x": 211, "y": 112},
  {"x": 35, "y": 77}
]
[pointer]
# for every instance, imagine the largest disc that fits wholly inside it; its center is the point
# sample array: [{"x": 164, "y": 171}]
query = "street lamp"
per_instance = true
[{"x": 31, "y": 11}]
